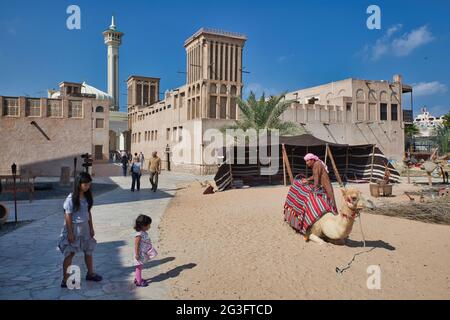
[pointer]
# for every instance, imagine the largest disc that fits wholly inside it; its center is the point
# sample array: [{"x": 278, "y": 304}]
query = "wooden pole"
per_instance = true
[
  {"x": 284, "y": 171},
  {"x": 373, "y": 156},
  {"x": 336, "y": 172},
  {"x": 346, "y": 163},
  {"x": 306, "y": 167},
  {"x": 288, "y": 166},
  {"x": 229, "y": 163}
]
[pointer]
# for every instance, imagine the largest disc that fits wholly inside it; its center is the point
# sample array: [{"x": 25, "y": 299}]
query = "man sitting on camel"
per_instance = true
[{"x": 319, "y": 178}]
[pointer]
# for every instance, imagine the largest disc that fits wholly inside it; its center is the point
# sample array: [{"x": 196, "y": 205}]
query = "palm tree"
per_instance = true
[
  {"x": 411, "y": 130},
  {"x": 442, "y": 135},
  {"x": 447, "y": 120},
  {"x": 264, "y": 114}
]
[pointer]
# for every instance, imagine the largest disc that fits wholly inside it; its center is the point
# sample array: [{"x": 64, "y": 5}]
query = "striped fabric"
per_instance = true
[
  {"x": 223, "y": 177},
  {"x": 304, "y": 206}
]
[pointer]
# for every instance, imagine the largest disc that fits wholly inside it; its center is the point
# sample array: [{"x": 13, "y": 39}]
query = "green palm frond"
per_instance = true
[{"x": 265, "y": 113}]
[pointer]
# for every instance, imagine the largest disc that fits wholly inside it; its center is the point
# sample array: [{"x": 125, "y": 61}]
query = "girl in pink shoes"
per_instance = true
[{"x": 143, "y": 248}]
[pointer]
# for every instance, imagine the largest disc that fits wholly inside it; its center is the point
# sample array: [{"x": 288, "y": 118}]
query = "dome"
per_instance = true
[{"x": 87, "y": 89}]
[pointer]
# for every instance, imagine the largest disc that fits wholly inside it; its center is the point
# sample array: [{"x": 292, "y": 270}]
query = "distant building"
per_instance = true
[
  {"x": 355, "y": 112},
  {"x": 41, "y": 135},
  {"x": 207, "y": 100},
  {"x": 426, "y": 123}
]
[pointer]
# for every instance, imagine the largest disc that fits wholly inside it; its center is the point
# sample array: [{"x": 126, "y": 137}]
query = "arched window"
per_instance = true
[
  {"x": 99, "y": 109},
  {"x": 360, "y": 94},
  {"x": 233, "y": 90},
  {"x": 383, "y": 96},
  {"x": 213, "y": 88},
  {"x": 223, "y": 89}
]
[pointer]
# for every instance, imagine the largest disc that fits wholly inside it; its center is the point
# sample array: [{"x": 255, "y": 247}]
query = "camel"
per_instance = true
[{"x": 336, "y": 228}]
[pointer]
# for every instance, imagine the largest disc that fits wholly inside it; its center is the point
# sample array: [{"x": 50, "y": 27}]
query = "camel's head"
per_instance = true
[
  {"x": 355, "y": 200},
  {"x": 352, "y": 198}
]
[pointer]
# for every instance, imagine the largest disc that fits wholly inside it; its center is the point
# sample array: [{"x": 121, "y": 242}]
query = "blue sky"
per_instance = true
[{"x": 291, "y": 44}]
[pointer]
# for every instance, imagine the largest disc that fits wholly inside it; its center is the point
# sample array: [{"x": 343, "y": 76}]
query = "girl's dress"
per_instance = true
[
  {"x": 80, "y": 221},
  {"x": 146, "y": 249}
]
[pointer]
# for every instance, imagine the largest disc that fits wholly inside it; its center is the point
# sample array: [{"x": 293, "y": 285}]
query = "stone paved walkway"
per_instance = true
[{"x": 30, "y": 263}]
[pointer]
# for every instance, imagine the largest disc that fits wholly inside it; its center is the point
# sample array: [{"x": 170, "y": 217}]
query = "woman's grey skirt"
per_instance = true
[{"x": 83, "y": 240}]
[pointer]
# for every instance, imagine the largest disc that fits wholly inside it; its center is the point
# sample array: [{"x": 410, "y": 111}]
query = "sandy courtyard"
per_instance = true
[{"x": 242, "y": 249}]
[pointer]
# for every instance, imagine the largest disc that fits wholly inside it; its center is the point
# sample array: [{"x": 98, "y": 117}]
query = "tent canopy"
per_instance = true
[
  {"x": 354, "y": 162},
  {"x": 307, "y": 140}
]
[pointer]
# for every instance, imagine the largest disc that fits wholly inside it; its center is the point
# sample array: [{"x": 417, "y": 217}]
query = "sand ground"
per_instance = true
[{"x": 243, "y": 249}]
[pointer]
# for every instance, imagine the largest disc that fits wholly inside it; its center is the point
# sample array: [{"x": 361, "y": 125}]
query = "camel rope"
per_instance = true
[{"x": 340, "y": 270}]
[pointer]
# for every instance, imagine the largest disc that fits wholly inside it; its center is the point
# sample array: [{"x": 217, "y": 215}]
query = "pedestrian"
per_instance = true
[
  {"x": 124, "y": 162},
  {"x": 143, "y": 248},
  {"x": 141, "y": 158},
  {"x": 154, "y": 167},
  {"x": 135, "y": 174},
  {"x": 78, "y": 231}
]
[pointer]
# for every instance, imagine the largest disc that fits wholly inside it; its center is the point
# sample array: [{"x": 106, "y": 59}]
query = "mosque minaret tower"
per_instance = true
[{"x": 113, "y": 39}]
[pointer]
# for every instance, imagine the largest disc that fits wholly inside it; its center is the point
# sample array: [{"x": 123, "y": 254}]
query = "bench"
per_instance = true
[{"x": 24, "y": 183}]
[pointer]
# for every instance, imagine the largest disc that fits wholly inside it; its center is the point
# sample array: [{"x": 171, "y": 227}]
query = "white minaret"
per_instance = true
[{"x": 113, "y": 39}]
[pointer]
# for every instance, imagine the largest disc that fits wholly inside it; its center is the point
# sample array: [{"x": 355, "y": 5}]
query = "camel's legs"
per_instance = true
[{"x": 316, "y": 239}]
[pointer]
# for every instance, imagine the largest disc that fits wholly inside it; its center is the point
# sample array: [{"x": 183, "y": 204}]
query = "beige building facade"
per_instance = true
[
  {"x": 41, "y": 135},
  {"x": 177, "y": 123},
  {"x": 355, "y": 112}
]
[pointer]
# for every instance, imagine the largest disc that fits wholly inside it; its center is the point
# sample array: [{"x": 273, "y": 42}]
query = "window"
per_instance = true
[
  {"x": 139, "y": 139},
  {"x": 174, "y": 134},
  {"x": 54, "y": 108},
  {"x": 11, "y": 107},
  {"x": 212, "y": 107},
  {"x": 168, "y": 134},
  {"x": 383, "y": 111},
  {"x": 33, "y": 108},
  {"x": 349, "y": 107},
  {"x": 99, "y": 109},
  {"x": 156, "y": 134},
  {"x": 180, "y": 134},
  {"x": 75, "y": 109},
  {"x": 99, "y": 123},
  {"x": 394, "y": 112},
  {"x": 223, "y": 108}
]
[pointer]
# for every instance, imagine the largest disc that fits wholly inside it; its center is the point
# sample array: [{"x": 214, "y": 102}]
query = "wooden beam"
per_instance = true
[
  {"x": 288, "y": 166},
  {"x": 336, "y": 172},
  {"x": 284, "y": 169},
  {"x": 373, "y": 156}
]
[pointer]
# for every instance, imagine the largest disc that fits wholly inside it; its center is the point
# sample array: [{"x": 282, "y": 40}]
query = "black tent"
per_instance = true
[{"x": 359, "y": 162}]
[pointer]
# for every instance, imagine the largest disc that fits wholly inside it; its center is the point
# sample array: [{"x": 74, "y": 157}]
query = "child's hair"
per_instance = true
[
  {"x": 142, "y": 221},
  {"x": 83, "y": 177}
]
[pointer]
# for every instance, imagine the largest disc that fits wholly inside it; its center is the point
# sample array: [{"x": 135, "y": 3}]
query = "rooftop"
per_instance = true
[{"x": 216, "y": 32}]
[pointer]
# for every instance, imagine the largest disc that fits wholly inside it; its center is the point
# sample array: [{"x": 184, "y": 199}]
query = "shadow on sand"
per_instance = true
[
  {"x": 175, "y": 272},
  {"x": 370, "y": 244}
]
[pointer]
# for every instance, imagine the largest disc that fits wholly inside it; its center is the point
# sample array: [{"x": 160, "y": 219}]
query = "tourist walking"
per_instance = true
[
  {"x": 124, "y": 162},
  {"x": 154, "y": 167},
  {"x": 78, "y": 231},
  {"x": 141, "y": 158},
  {"x": 143, "y": 248},
  {"x": 135, "y": 174}
]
